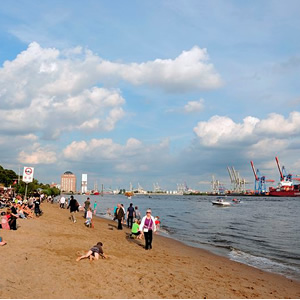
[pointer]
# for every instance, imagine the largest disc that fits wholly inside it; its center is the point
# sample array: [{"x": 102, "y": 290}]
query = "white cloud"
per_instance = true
[
  {"x": 277, "y": 125},
  {"x": 189, "y": 71},
  {"x": 194, "y": 106},
  {"x": 220, "y": 131},
  {"x": 132, "y": 156},
  {"x": 47, "y": 91},
  {"x": 39, "y": 155},
  {"x": 223, "y": 130}
]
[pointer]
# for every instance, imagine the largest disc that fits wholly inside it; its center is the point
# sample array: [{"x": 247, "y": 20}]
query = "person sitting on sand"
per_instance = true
[
  {"x": 94, "y": 253},
  {"x": 27, "y": 211},
  {"x": 135, "y": 229},
  {"x": 2, "y": 242},
  {"x": 4, "y": 221}
]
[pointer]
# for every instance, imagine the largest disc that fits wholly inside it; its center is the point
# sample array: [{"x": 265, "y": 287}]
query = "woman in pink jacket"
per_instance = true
[{"x": 148, "y": 227}]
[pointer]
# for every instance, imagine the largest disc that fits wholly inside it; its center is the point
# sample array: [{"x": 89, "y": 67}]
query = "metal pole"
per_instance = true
[{"x": 26, "y": 190}]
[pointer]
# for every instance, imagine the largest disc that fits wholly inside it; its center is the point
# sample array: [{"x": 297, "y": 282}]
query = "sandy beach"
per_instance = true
[{"x": 39, "y": 262}]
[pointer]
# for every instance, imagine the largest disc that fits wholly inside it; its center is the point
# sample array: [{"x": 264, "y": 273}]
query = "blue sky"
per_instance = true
[{"x": 150, "y": 91}]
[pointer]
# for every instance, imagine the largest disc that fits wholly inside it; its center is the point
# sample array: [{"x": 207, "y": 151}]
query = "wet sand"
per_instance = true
[{"x": 39, "y": 262}]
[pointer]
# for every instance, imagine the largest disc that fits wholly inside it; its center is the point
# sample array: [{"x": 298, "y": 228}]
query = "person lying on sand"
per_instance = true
[{"x": 94, "y": 253}]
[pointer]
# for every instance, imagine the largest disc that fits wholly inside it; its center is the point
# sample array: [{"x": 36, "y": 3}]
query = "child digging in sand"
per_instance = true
[{"x": 94, "y": 253}]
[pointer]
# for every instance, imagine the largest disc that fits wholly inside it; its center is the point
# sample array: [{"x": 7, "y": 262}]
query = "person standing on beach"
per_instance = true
[
  {"x": 14, "y": 216},
  {"x": 62, "y": 202},
  {"x": 87, "y": 204},
  {"x": 124, "y": 218},
  {"x": 130, "y": 215},
  {"x": 137, "y": 213},
  {"x": 95, "y": 207},
  {"x": 148, "y": 227},
  {"x": 119, "y": 215},
  {"x": 73, "y": 205}
]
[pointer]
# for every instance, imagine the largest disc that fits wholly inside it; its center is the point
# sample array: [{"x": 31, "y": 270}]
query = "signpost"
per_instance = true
[{"x": 27, "y": 177}]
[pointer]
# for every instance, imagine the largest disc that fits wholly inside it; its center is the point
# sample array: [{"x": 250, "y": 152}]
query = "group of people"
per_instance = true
[
  {"x": 140, "y": 227},
  {"x": 121, "y": 215},
  {"x": 13, "y": 208}
]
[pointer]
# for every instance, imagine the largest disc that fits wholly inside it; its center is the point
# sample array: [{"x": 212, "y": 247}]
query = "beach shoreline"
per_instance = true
[{"x": 40, "y": 256}]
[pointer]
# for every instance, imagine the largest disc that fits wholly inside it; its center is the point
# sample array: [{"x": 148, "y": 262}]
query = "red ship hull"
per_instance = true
[{"x": 282, "y": 193}]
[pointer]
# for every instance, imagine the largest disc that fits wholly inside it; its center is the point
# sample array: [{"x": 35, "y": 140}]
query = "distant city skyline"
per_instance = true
[{"x": 166, "y": 92}]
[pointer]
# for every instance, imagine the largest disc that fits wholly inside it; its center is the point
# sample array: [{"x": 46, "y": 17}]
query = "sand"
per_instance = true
[{"x": 39, "y": 262}]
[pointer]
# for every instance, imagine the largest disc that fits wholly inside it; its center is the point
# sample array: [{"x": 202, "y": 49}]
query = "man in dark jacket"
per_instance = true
[
  {"x": 73, "y": 205},
  {"x": 130, "y": 215},
  {"x": 119, "y": 215}
]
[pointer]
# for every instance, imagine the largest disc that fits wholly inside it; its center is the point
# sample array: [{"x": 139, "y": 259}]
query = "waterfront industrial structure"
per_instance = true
[
  {"x": 68, "y": 182},
  {"x": 260, "y": 187},
  {"x": 84, "y": 184},
  {"x": 217, "y": 186},
  {"x": 238, "y": 183}
]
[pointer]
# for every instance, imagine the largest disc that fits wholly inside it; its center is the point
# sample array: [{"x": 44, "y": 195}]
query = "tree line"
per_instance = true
[{"x": 10, "y": 178}]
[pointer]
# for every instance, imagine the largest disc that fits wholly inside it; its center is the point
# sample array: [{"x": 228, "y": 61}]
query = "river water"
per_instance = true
[{"x": 263, "y": 232}]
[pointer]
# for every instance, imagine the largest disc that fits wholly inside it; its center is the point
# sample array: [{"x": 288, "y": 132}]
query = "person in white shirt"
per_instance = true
[{"x": 62, "y": 202}]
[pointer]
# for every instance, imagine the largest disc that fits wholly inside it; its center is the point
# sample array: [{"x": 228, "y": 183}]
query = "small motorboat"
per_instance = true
[
  {"x": 220, "y": 202},
  {"x": 236, "y": 200}
]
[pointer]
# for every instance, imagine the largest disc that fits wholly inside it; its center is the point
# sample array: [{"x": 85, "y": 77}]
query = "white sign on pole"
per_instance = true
[{"x": 28, "y": 174}]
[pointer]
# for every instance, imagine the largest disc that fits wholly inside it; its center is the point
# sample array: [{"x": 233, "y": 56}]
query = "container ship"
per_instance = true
[{"x": 286, "y": 186}]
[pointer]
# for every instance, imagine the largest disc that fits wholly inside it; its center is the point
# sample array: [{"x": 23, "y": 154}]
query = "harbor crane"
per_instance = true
[
  {"x": 260, "y": 181},
  {"x": 284, "y": 175},
  {"x": 217, "y": 186},
  {"x": 238, "y": 183}
]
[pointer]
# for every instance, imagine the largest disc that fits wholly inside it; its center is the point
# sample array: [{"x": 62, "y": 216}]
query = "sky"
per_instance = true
[{"x": 166, "y": 92}]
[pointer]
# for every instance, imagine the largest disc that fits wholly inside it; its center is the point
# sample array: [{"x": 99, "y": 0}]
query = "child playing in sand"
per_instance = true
[
  {"x": 94, "y": 253},
  {"x": 135, "y": 229},
  {"x": 157, "y": 223},
  {"x": 89, "y": 216}
]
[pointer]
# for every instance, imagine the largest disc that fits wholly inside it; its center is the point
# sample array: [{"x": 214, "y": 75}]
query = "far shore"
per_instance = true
[{"x": 39, "y": 261}]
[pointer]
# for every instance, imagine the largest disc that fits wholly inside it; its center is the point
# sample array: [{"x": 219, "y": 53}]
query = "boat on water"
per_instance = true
[
  {"x": 220, "y": 202},
  {"x": 285, "y": 190},
  {"x": 128, "y": 194},
  {"x": 235, "y": 200},
  {"x": 286, "y": 186}
]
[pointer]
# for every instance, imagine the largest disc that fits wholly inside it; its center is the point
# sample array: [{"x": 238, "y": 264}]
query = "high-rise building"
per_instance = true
[
  {"x": 68, "y": 182},
  {"x": 84, "y": 183}
]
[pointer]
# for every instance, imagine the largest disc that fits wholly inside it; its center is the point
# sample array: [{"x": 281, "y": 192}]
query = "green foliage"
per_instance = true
[{"x": 8, "y": 177}]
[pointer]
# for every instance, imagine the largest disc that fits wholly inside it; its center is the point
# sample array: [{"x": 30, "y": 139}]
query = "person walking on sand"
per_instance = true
[
  {"x": 130, "y": 215},
  {"x": 73, "y": 205},
  {"x": 148, "y": 227},
  {"x": 119, "y": 215},
  {"x": 87, "y": 204},
  {"x": 94, "y": 253}
]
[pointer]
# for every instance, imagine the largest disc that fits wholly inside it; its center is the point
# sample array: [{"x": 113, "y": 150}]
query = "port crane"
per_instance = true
[
  {"x": 217, "y": 186},
  {"x": 238, "y": 183},
  {"x": 260, "y": 181},
  {"x": 284, "y": 175}
]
